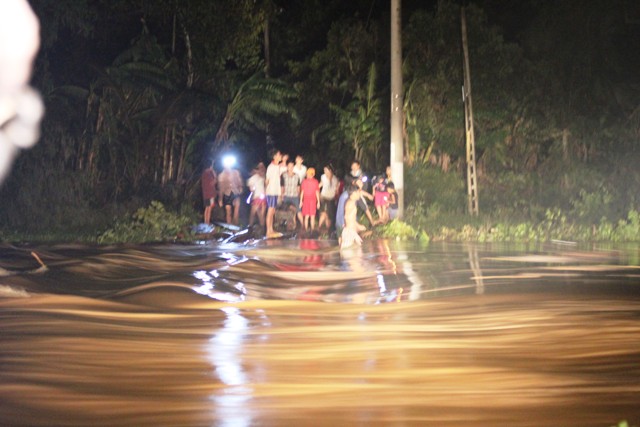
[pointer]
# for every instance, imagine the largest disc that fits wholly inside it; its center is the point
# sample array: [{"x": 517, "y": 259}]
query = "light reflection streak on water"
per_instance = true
[
  {"x": 233, "y": 402},
  {"x": 207, "y": 287}
]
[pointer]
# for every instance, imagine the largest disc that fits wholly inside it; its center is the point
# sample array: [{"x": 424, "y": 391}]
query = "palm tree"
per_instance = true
[
  {"x": 256, "y": 101},
  {"x": 360, "y": 121}
]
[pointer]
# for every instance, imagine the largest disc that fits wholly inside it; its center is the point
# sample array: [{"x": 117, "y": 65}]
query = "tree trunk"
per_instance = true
[
  {"x": 165, "y": 157},
  {"x": 173, "y": 34},
  {"x": 565, "y": 144},
  {"x": 172, "y": 151},
  {"x": 187, "y": 44},
  {"x": 223, "y": 133},
  {"x": 181, "y": 159}
]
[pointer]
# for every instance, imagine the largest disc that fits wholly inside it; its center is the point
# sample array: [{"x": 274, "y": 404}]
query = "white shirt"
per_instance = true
[
  {"x": 301, "y": 171},
  {"x": 329, "y": 187},
  {"x": 256, "y": 186},
  {"x": 273, "y": 180},
  {"x": 230, "y": 181}
]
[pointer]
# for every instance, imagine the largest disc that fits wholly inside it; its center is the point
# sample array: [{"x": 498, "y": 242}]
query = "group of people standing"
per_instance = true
[{"x": 291, "y": 185}]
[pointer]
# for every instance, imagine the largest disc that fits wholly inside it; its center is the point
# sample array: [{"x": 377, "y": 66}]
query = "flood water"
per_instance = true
[{"x": 297, "y": 333}]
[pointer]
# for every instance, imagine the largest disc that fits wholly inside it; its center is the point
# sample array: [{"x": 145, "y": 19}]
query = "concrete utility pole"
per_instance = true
[
  {"x": 472, "y": 183},
  {"x": 397, "y": 144}
]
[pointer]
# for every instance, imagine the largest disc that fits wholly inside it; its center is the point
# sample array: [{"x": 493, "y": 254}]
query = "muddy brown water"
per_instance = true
[{"x": 297, "y": 333}]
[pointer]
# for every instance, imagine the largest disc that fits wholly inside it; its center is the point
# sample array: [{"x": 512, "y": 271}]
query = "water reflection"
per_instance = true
[
  {"x": 474, "y": 265},
  {"x": 232, "y": 402}
]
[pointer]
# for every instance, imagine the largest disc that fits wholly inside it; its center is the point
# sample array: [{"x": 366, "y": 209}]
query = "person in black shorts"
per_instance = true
[{"x": 230, "y": 188}]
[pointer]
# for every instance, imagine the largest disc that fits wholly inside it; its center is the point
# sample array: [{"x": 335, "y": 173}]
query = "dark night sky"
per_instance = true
[{"x": 113, "y": 34}]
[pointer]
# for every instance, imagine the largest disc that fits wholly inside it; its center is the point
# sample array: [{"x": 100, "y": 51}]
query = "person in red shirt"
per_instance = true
[
  {"x": 310, "y": 199},
  {"x": 209, "y": 180}
]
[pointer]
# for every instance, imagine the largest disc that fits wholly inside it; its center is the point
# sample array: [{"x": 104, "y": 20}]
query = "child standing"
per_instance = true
[
  {"x": 310, "y": 199},
  {"x": 381, "y": 199},
  {"x": 392, "y": 209}
]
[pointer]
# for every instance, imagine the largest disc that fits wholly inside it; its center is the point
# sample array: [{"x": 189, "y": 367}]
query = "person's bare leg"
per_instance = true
[
  {"x": 270, "y": 214},
  {"x": 236, "y": 211},
  {"x": 252, "y": 214},
  {"x": 323, "y": 218},
  {"x": 227, "y": 210},
  {"x": 369, "y": 217},
  {"x": 294, "y": 214},
  {"x": 207, "y": 214}
]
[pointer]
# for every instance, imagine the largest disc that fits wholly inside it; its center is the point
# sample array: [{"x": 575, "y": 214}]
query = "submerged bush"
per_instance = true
[
  {"x": 623, "y": 423},
  {"x": 555, "y": 226},
  {"x": 61, "y": 204},
  {"x": 627, "y": 230},
  {"x": 151, "y": 224},
  {"x": 399, "y": 230},
  {"x": 433, "y": 197},
  {"x": 590, "y": 207}
]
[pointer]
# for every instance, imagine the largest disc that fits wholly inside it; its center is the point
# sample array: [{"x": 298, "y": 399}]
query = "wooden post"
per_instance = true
[{"x": 472, "y": 184}]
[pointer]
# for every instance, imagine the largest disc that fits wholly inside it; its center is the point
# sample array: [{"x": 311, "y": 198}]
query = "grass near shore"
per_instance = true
[{"x": 155, "y": 223}]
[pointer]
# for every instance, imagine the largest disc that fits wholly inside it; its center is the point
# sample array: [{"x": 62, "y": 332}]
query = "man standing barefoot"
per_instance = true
[{"x": 230, "y": 188}]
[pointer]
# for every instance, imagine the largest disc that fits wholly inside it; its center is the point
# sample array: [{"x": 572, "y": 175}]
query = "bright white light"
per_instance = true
[
  {"x": 229, "y": 161},
  {"x": 381, "y": 284},
  {"x": 202, "y": 275}
]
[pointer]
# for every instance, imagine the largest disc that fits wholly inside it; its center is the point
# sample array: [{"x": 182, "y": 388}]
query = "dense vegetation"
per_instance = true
[{"x": 142, "y": 94}]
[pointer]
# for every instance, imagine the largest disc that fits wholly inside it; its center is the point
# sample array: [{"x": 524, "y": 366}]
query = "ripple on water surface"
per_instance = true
[{"x": 297, "y": 333}]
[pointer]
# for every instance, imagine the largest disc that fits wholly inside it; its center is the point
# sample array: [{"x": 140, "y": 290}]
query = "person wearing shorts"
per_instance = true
[{"x": 230, "y": 188}]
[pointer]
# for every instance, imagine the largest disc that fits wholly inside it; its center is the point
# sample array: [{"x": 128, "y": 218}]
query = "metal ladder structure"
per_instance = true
[{"x": 472, "y": 182}]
